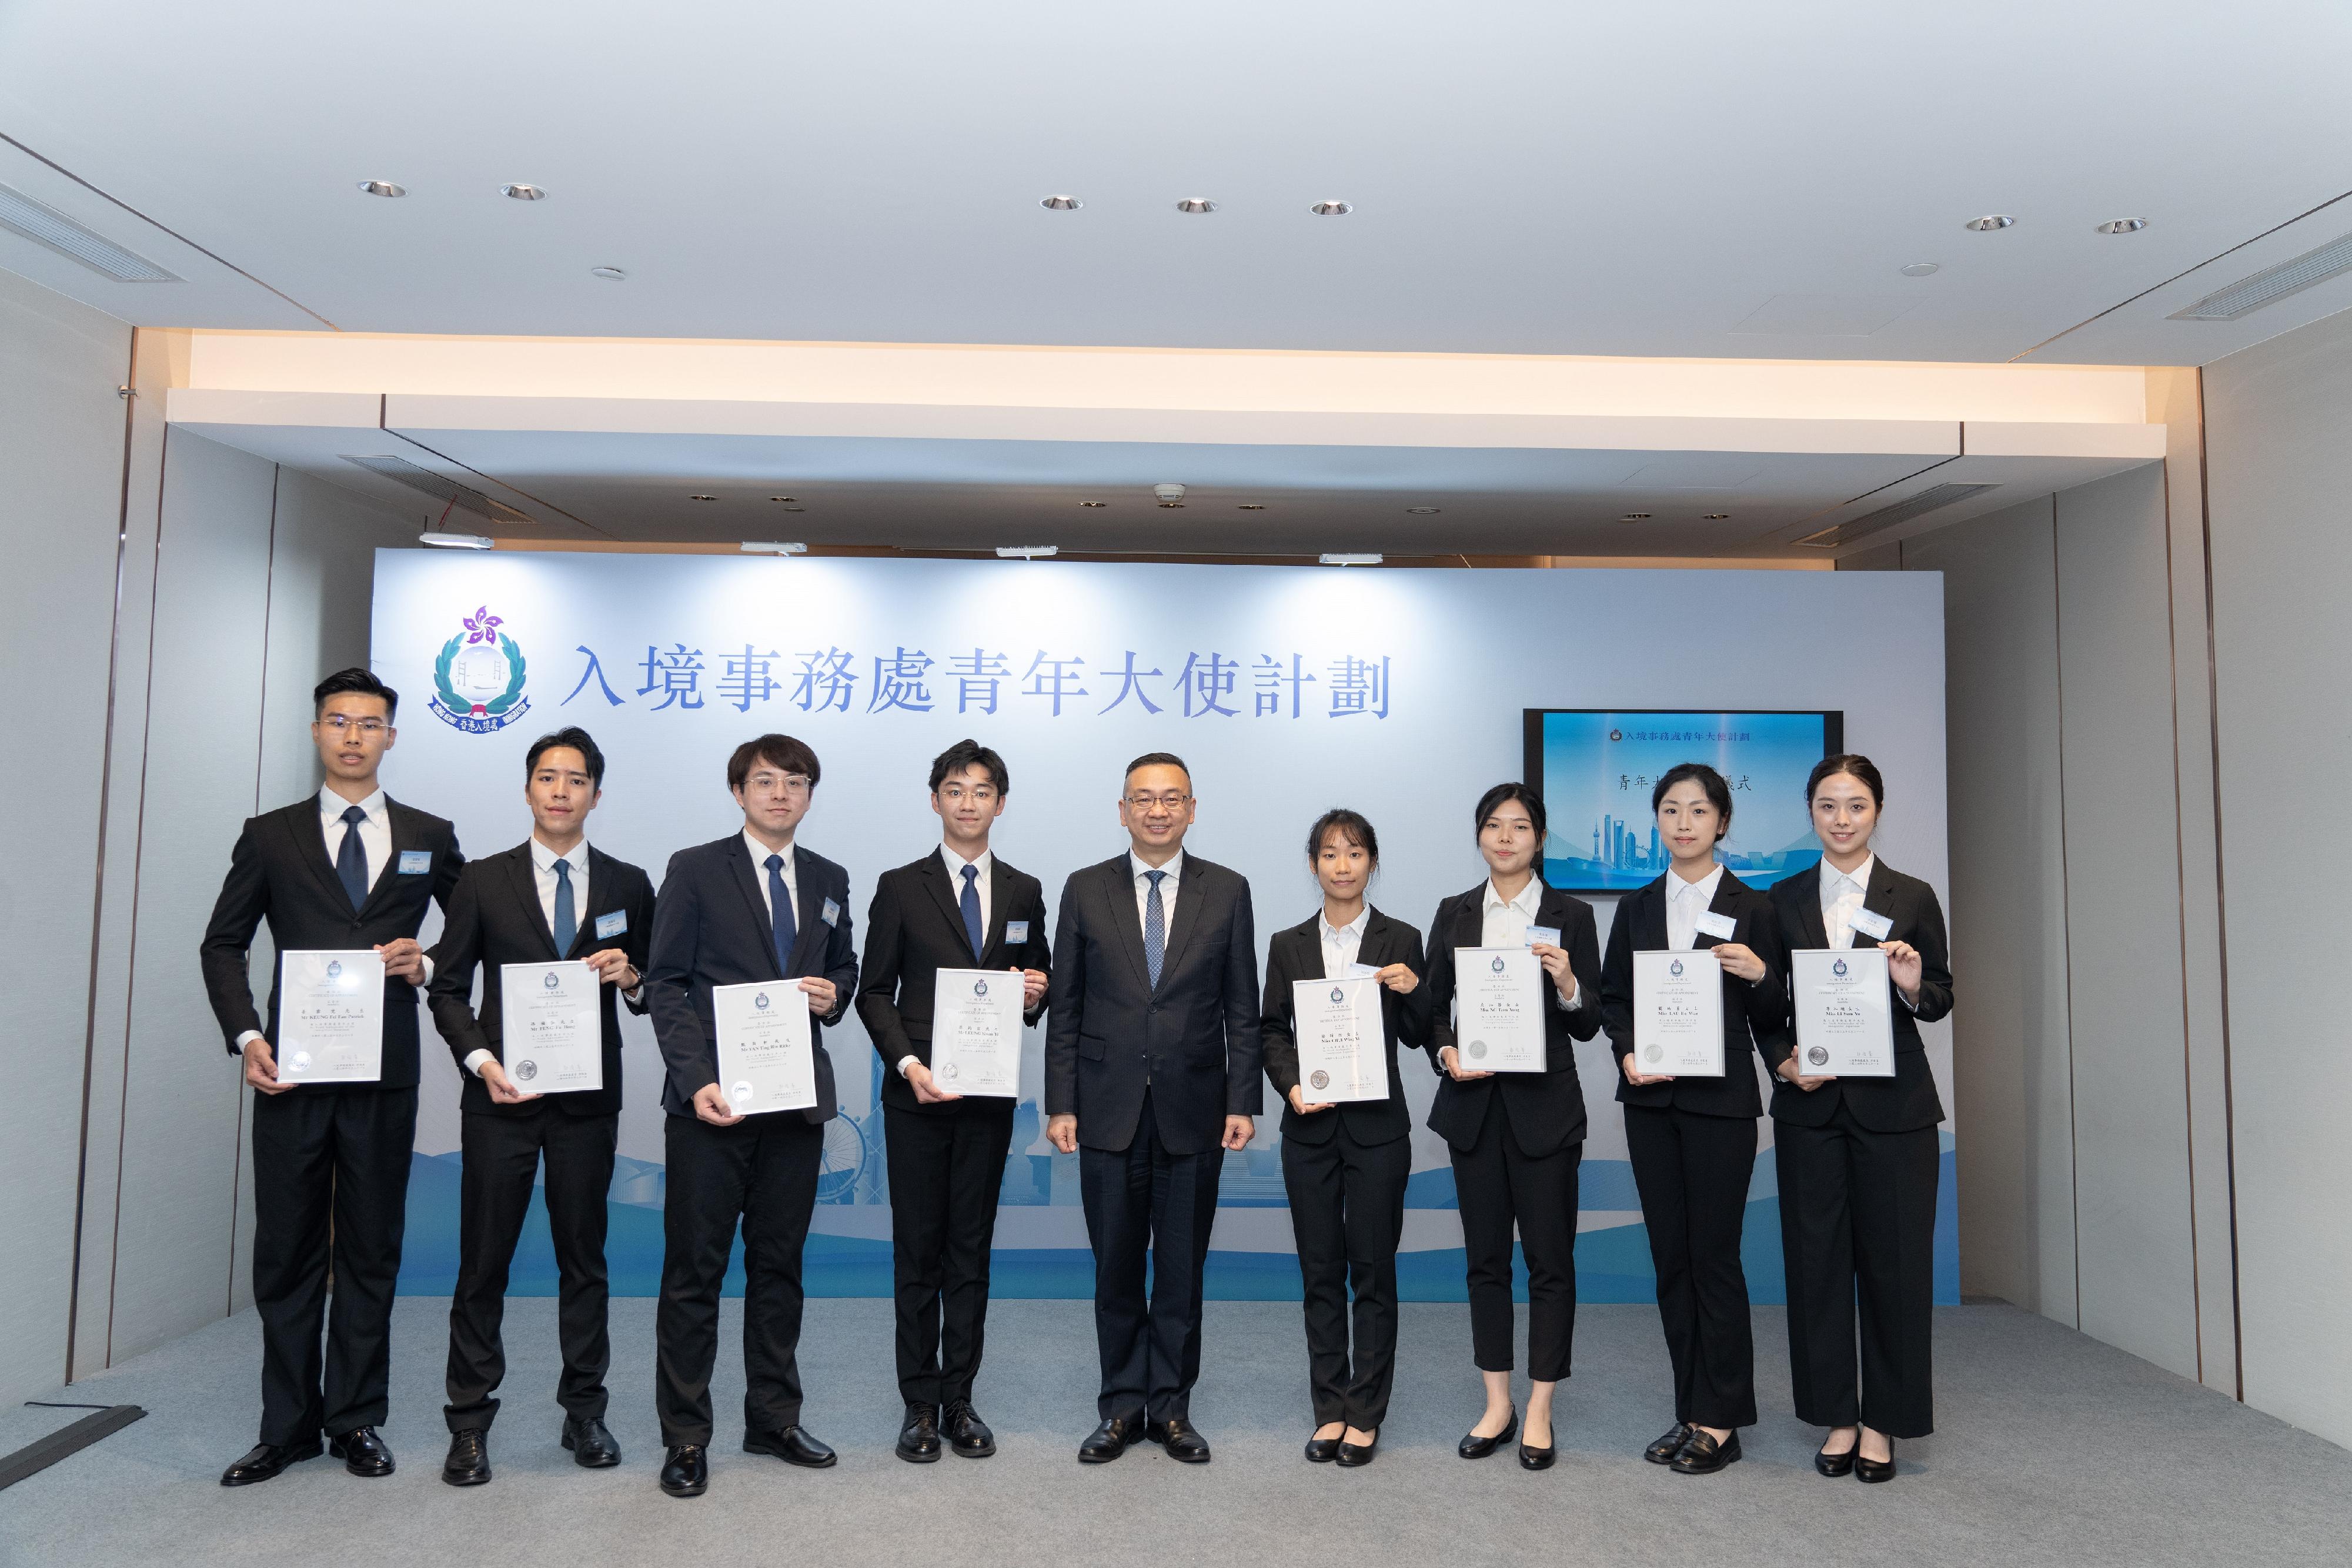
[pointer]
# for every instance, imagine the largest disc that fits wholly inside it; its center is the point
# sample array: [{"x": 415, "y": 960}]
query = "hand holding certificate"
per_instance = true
[
  {"x": 1845, "y": 1020},
  {"x": 976, "y": 1033},
  {"x": 767, "y": 1049},
  {"x": 1679, "y": 1014},
  {"x": 329, "y": 1017},
  {"x": 1499, "y": 1010},
  {"x": 1343, "y": 1053},
  {"x": 552, "y": 1032}
]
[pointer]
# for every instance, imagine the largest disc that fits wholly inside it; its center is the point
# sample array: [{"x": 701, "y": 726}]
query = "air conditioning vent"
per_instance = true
[
  {"x": 447, "y": 491},
  {"x": 20, "y": 214},
  {"x": 2272, "y": 284},
  {"x": 1926, "y": 501}
]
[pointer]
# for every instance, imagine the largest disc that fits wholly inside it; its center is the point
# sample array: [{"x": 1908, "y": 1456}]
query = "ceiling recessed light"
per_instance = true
[
  {"x": 787, "y": 500},
  {"x": 1026, "y": 552},
  {"x": 1350, "y": 559},
  {"x": 1171, "y": 506},
  {"x": 702, "y": 497},
  {"x": 383, "y": 188},
  {"x": 609, "y": 273},
  {"x": 1061, "y": 203},
  {"x": 1635, "y": 517},
  {"x": 2123, "y": 225},
  {"x": 1422, "y": 511},
  {"x": 1196, "y": 204},
  {"x": 523, "y": 192},
  {"x": 1719, "y": 518},
  {"x": 437, "y": 540},
  {"x": 1920, "y": 269},
  {"x": 1332, "y": 209},
  {"x": 1252, "y": 507},
  {"x": 1990, "y": 222},
  {"x": 771, "y": 547},
  {"x": 1094, "y": 503}
]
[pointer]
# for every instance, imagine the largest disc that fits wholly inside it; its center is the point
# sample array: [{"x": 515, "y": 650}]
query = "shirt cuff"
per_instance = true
[
  {"x": 250, "y": 1034},
  {"x": 1571, "y": 1003},
  {"x": 907, "y": 1061},
  {"x": 474, "y": 1060},
  {"x": 1909, "y": 1006},
  {"x": 429, "y": 969}
]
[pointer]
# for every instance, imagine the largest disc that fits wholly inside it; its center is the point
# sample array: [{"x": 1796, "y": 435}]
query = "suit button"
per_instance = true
[{"x": 1154, "y": 1008}]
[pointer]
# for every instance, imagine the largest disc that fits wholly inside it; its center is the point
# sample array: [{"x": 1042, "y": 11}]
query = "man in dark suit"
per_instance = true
[
  {"x": 1151, "y": 1074},
  {"x": 553, "y": 898},
  {"x": 752, "y": 907},
  {"x": 347, "y": 868},
  {"x": 959, "y": 907}
]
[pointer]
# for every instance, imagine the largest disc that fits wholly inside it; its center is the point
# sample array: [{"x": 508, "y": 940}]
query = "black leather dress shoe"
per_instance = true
[
  {"x": 1874, "y": 1471},
  {"x": 1473, "y": 1447},
  {"x": 469, "y": 1464},
  {"x": 363, "y": 1453},
  {"x": 1834, "y": 1465},
  {"x": 1108, "y": 1442},
  {"x": 968, "y": 1434},
  {"x": 1703, "y": 1455},
  {"x": 918, "y": 1437},
  {"x": 1669, "y": 1444},
  {"x": 792, "y": 1445},
  {"x": 1181, "y": 1439},
  {"x": 592, "y": 1445},
  {"x": 1536, "y": 1458},
  {"x": 1322, "y": 1450},
  {"x": 1353, "y": 1455},
  {"x": 264, "y": 1460},
  {"x": 685, "y": 1470}
]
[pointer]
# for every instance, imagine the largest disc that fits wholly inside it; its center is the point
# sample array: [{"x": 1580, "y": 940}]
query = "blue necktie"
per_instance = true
[
  {"x": 567, "y": 918},
  {"x": 784, "y": 925},
  {"x": 971, "y": 928},
  {"x": 350, "y": 861},
  {"x": 1155, "y": 929}
]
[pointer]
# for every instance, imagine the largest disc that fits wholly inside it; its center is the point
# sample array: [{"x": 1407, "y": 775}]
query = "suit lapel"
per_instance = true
[
  {"x": 1187, "y": 915},
  {"x": 1879, "y": 896},
  {"x": 524, "y": 877},
  {"x": 1119, "y": 888},
  {"x": 605, "y": 882},
  {"x": 948, "y": 897},
  {"x": 308, "y": 830},
  {"x": 999, "y": 899},
  {"x": 747, "y": 881},
  {"x": 1727, "y": 891},
  {"x": 808, "y": 905},
  {"x": 404, "y": 838},
  {"x": 1649, "y": 913},
  {"x": 1470, "y": 919},
  {"x": 1808, "y": 894}
]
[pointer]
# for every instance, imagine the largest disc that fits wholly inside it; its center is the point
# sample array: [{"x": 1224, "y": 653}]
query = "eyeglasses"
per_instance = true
[
  {"x": 342, "y": 724},
  {"x": 1174, "y": 802},
  {"x": 791, "y": 784}
]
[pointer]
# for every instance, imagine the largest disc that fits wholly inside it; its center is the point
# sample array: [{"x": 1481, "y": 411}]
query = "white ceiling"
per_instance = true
[{"x": 1715, "y": 179}]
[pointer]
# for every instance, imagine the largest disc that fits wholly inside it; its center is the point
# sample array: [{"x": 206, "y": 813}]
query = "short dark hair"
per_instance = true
[
  {"x": 1718, "y": 790},
  {"x": 1492, "y": 801},
  {"x": 969, "y": 753},
  {"x": 1351, "y": 826},
  {"x": 777, "y": 751},
  {"x": 578, "y": 740},
  {"x": 1854, "y": 763},
  {"x": 1156, "y": 760},
  {"x": 355, "y": 679}
]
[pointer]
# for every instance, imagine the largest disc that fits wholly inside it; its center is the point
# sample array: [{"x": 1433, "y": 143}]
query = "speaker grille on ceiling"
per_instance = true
[
  {"x": 19, "y": 214},
  {"x": 1903, "y": 511},
  {"x": 2272, "y": 284},
  {"x": 447, "y": 491}
]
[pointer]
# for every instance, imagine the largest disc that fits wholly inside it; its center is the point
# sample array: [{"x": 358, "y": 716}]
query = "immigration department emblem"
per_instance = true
[{"x": 478, "y": 679}]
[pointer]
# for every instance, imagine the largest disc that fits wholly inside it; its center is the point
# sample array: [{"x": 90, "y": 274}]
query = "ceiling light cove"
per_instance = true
[
  {"x": 433, "y": 539},
  {"x": 1196, "y": 204},
  {"x": 383, "y": 188},
  {"x": 1347, "y": 558},
  {"x": 1990, "y": 223},
  {"x": 1061, "y": 203},
  {"x": 1026, "y": 552},
  {"x": 773, "y": 546},
  {"x": 523, "y": 192}
]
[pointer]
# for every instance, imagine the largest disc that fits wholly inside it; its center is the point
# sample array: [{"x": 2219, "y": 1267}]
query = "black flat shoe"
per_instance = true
[
  {"x": 1835, "y": 1465},
  {"x": 1871, "y": 1472},
  {"x": 1669, "y": 1444},
  {"x": 918, "y": 1437},
  {"x": 264, "y": 1462},
  {"x": 1108, "y": 1441},
  {"x": 1181, "y": 1439},
  {"x": 1473, "y": 1447},
  {"x": 590, "y": 1445},
  {"x": 1535, "y": 1458},
  {"x": 1354, "y": 1455},
  {"x": 792, "y": 1445},
  {"x": 1703, "y": 1455},
  {"x": 363, "y": 1452},
  {"x": 685, "y": 1470},
  {"x": 1322, "y": 1450},
  {"x": 968, "y": 1434},
  {"x": 469, "y": 1464}
]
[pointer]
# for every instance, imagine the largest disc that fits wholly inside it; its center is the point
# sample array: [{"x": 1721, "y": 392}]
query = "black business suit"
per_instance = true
[
  {"x": 1151, "y": 1072},
  {"x": 1344, "y": 1171},
  {"x": 1857, "y": 1161},
  {"x": 945, "y": 1160},
  {"x": 1692, "y": 1147},
  {"x": 1517, "y": 1140},
  {"x": 330, "y": 1160},
  {"x": 712, "y": 928},
  {"x": 496, "y": 918}
]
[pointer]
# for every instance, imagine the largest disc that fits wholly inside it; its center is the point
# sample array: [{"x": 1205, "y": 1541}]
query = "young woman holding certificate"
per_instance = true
[
  {"x": 1342, "y": 988},
  {"x": 1509, "y": 962},
  {"x": 1691, "y": 1105},
  {"x": 1857, "y": 1155}
]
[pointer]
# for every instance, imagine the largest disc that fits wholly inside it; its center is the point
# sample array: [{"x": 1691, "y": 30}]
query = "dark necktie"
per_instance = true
[
  {"x": 971, "y": 927},
  {"x": 1155, "y": 929},
  {"x": 783, "y": 925},
  {"x": 567, "y": 918},
  {"x": 350, "y": 861}
]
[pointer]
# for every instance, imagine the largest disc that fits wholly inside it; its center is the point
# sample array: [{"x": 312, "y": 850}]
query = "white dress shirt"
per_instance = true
[
  {"x": 1342, "y": 944},
  {"x": 1506, "y": 922},
  {"x": 1686, "y": 901},
  {"x": 955, "y": 864},
  {"x": 1841, "y": 894},
  {"x": 760, "y": 853},
  {"x": 1142, "y": 874},
  {"x": 375, "y": 842}
]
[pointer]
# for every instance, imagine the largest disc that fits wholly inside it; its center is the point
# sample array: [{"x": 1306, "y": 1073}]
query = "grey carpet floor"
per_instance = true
[{"x": 2054, "y": 1449}]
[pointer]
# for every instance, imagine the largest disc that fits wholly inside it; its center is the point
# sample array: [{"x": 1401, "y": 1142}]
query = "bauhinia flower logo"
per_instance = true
[{"x": 483, "y": 627}]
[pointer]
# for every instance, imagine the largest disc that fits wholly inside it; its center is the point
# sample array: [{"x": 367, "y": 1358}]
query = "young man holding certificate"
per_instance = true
[
  {"x": 751, "y": 947},
  {"x": 956, "y": 965},
  {"x": 344, "y": 878},
  {"x": 558, "y": 929}
]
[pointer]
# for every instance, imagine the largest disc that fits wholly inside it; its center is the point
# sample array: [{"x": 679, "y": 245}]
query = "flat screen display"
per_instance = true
[{"x": 1595, "y": 767}]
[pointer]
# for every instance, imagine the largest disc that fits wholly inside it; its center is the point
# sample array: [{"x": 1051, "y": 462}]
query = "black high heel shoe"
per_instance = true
[{"x": 1474, "y": 1446}]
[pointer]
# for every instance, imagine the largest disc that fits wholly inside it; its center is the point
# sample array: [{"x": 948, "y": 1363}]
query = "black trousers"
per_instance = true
[
  {"x": 945, "y": 1171},
  {"x": 501, "y": 1158},
  {"x": 763, "y": 1171},
  {"x": 1858, "y": 1221},
  {"x": 1144, "y": 1201},
  {"x": 1693, "y": 1173},
  {"x": 1347, "y": 1214},
  {"x": 329, "y": 1162},
  {"x": 1499, "y": 1190}
]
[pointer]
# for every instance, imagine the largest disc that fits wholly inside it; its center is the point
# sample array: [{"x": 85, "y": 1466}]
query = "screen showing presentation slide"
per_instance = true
[{"x": 1595, "y": 769}]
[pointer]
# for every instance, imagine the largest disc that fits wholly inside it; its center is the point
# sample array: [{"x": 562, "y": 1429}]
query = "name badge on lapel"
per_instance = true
[
  {"x": 830, "y": 913},
  {"x": 1720, "y": 927},
  {"x": 1871, "y": 924},
  {"x": 416, "y": 863},
  {"x": 613, "y": 924},
  {"x": 1016, "y": 931}
]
